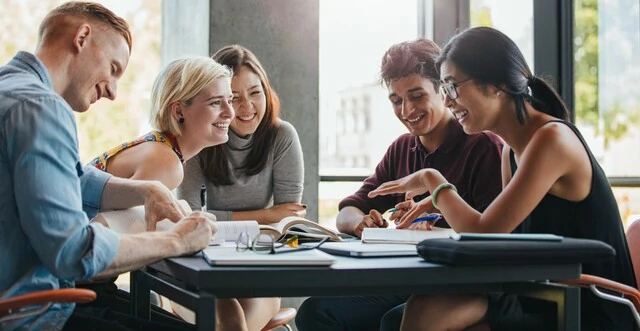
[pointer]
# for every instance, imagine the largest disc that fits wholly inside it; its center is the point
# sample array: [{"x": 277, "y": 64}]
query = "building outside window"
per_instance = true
[{"x": 350, "y": 55}]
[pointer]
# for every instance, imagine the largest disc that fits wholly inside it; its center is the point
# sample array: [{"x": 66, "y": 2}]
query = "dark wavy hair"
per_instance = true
[
  {"x": 214, "y": 160},
  {"x": 411, "y": 57},
  {"x": 489, "y": 57}
]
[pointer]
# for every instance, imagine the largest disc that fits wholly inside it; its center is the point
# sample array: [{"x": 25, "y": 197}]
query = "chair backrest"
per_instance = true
[{"x": 633, "y": 240}]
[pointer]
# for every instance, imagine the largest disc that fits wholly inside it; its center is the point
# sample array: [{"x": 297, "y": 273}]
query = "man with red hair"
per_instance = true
[{"x": 47, "y": 197}]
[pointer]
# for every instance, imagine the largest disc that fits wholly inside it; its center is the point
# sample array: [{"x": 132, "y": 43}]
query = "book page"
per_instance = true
[
  {"x": 132, "y": 220},
  {"x": 396, "y": 236},
  {"x": 124, "y": 221},
  {"x": 304, "y": 225},
  {"x": 271, "y": 230},
  {"x": 229, "y": 231}
]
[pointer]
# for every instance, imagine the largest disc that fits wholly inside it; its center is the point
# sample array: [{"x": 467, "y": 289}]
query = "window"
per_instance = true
[
  {"x": 107, "y": 123},
  {"x": 607, "y": 101},
  {"x": 501, "y": 14},
  {"x": 353, "y": 37}
]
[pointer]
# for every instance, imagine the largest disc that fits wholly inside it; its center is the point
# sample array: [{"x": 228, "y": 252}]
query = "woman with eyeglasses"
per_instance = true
[{"x": 552, "y": 184}]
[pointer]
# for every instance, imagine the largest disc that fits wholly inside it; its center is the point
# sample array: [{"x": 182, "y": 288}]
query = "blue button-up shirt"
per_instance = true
[{"x": 46, "y": 197}]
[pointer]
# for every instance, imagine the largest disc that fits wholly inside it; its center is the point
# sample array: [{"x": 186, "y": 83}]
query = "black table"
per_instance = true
[{"x": 193, "y": 283}]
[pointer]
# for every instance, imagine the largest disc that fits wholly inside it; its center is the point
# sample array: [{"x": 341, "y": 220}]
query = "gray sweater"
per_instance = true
[{"x": 279, "y": 182}]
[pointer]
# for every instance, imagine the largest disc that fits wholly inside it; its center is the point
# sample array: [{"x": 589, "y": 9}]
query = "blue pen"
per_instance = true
[{"x": 428, "y": 218}]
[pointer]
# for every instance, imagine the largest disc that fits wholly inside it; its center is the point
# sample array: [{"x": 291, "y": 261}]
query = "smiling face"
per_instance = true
[
  {"x": 209, "y": 115},
  {"x": 249, "y": 101},
  {"x": 416, "y": 104},
  {"x": 475, "y": 108},
  {"x": 99, "y": 63}
]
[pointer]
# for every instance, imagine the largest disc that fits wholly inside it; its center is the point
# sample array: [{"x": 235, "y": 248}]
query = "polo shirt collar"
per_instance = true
[{"x": 449, "y": 144}]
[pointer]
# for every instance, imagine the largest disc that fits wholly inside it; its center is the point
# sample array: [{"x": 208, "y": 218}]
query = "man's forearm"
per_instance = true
[
  {"x": 122, "y": 193},
  {"x": 138, "y": 250},
  {"x": 348, "y": 218}
]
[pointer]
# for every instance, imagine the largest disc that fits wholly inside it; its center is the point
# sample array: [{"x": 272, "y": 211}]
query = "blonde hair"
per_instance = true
[
  {"x": 58, "y": 19},
  {"x": 181, "y": 80}
]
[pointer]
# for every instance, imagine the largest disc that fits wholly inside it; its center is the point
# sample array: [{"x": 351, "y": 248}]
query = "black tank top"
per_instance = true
[{"x": 596, "y": 217}]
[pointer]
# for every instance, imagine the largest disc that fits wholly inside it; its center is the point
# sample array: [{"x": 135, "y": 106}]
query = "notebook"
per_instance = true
[
  {"x": 228, "y": 256},
  {"x": 402, "y": 236},
  {"x": 358, "y": 249}
]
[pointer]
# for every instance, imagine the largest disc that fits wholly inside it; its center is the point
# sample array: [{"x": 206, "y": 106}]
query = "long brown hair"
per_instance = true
[{"x": 214, "y": 160}]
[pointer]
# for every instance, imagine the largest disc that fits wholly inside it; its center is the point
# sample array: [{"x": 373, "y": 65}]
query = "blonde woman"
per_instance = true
[{"x": 191, "y": 108}]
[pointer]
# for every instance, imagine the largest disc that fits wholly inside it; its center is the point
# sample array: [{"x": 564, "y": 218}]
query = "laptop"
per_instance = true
[
  {"x": 358, "y": 249},
  {"x": 228, "y": 256}
]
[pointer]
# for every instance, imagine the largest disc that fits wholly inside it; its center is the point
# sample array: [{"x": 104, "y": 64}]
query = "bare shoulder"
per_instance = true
[
  {"x": 151, "y": 161},
  {"x": 556, "y": 143},
  {"x": 556, "y": 136}
]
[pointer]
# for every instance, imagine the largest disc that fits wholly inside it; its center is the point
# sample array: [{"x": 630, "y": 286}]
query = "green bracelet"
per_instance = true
[{"x": 434, "y": 195}]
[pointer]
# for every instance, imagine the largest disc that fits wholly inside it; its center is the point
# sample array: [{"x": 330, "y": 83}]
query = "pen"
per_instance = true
[
  {"x": 203, "y": 197},
  {"x": 430, "y": 217}
]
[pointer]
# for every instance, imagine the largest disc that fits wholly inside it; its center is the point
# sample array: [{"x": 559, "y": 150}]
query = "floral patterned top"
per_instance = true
[{"x": 166, "y": 138}]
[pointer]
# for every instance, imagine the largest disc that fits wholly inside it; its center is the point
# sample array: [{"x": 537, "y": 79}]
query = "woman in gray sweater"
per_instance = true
[{"x": 259, "y": 173}]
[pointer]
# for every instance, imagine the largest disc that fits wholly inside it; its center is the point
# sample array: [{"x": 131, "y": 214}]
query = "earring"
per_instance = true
[
  {"x": 499, "y": 93},
  {"x": 181, "y": 120}
]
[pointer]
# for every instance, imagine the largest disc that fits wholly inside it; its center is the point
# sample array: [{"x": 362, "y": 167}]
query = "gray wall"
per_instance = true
[{"x": 284, "y": 36}]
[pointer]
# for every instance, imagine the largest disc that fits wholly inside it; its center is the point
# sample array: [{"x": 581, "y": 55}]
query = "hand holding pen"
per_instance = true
[
  {"x": 425, "y": 223},
  {"x": 372, "y": 220},
  {"x": 417, "y": 210}
]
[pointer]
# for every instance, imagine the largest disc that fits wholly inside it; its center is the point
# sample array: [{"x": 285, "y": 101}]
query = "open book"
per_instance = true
[
  {"x": 132, "y": 221},
  {"x": 305, "y": 229},
  {"x": 402, "y": 236}
]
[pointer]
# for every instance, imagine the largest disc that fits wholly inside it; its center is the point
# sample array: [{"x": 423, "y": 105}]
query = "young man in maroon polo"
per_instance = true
[{"x": 435, "y": 140}]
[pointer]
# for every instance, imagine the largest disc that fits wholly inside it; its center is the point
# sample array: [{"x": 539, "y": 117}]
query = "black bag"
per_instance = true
[{"x": 513, "y": 252}]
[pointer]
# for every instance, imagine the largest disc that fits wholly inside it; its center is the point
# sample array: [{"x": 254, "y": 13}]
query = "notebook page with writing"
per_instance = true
[
  {"x": 230, "y": 230},
  {"x": 402, "y": 236},
  {"x": 132, "y": 220}
]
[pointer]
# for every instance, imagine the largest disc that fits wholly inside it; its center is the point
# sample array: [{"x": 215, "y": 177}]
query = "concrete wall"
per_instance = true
[{"x": 284, "y": 36}]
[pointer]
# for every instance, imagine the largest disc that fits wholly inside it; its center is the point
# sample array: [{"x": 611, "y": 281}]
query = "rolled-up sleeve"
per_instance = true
[
  {"x": 42, "y": 149},
  {"x": 92, "y": 183}
]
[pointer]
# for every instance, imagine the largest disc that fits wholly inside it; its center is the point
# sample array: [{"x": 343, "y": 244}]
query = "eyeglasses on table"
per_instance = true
[{"x": 266, "y": 244}]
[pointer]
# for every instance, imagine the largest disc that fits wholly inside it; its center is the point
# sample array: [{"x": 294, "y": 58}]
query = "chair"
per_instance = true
[
  {"x": 630, "y": 296},
  {"x": 281, "y": 319},
  {"x": 38, "y": 302}
]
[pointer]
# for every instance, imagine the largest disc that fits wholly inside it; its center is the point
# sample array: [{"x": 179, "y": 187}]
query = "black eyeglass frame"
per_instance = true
[
  {"x": 451, "y": 89},
  {"x": 271, "y": 248}
]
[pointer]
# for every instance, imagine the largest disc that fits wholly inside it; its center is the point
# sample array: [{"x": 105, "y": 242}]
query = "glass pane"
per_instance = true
[
  {"x": 329, "y": 196},
  {"x": 356, "y": 120},
  {"x": 107, "y": 123},
  {"x": 357, "y": 123},
  {"x": 501, "y": 14},
  {"x": 607, "y": 97}
]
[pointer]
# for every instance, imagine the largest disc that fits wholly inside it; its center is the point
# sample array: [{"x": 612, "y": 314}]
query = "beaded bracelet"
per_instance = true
[{"x": 434, "y": 195}]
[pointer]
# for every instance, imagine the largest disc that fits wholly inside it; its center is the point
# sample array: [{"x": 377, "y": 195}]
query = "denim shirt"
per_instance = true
[{"x": 46, "y": 197}]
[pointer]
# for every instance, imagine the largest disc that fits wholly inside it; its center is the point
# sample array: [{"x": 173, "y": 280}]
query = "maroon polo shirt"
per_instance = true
[{"x": 470, "y": 162}]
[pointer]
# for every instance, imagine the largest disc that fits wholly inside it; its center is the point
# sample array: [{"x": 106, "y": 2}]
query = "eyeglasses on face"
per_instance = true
[
  {"x": 266, "y": 244},
  {"x": 450, "y": 89}
]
